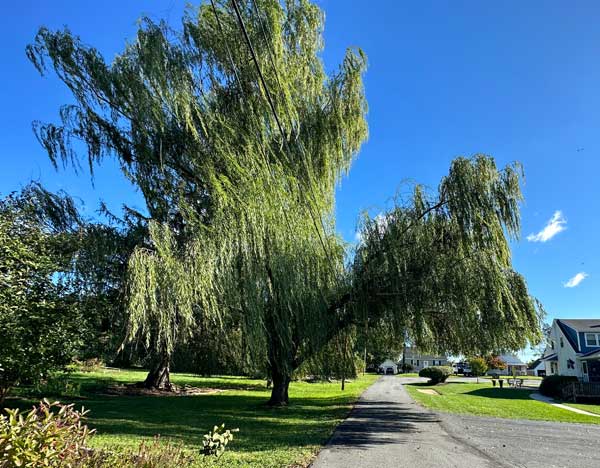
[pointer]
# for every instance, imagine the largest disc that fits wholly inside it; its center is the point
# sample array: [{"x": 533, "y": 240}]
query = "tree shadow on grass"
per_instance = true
[
  {"x": 306, "y": 422},
  {"x": 503, "y": 393}
]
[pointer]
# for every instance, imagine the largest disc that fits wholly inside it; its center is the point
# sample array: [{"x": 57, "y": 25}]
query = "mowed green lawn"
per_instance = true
[
  {"x": 589, "y": 408},
  {"x": 268, "y": 437},
  {"x": 484, "y": 400}
]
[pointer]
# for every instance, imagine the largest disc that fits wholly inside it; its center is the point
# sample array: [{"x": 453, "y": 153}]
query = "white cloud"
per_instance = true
[
  {"x": 578, "y": 278},
  {"x": 358, "y": 237},
  {"x": 555, "y": 225}
]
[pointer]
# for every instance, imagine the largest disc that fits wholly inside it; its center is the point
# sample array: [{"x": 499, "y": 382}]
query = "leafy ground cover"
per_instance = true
[
  {"x": 484, "y": 400},
  {"x": 268, "y": 437}
]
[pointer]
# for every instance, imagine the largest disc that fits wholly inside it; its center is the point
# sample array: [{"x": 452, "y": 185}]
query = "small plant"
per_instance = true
[
  {"x": 50, "y": 434},
  {"x": 87, "y": 365},
  {"x": 215, "y": 441},
  {"x": 436, "y": 374}
]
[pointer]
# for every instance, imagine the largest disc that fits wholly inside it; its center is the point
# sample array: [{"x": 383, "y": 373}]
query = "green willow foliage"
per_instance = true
[
  {"x": 185, "y": 113},
  {"x": 161, "y": 295},
  {"x": 245, "y": 196},
  {"x": 440, "y": 267}
]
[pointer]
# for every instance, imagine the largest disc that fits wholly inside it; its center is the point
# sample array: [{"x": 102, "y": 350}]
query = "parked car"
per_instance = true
[
  {"x": 389, "y": 370},
  {"x": 462, "y": 368}
]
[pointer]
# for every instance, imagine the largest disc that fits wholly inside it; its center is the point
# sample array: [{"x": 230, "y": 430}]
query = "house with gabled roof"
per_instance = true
[
  {"x": 574, "y": 349},
  {"x": 418, "y": 359},
  {"x": 513, "y": 366}
]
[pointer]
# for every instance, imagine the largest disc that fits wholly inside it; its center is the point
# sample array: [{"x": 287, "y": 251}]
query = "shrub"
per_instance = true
[
  {"x": 407, "y": 368},
  {"x": 436, "y": 374},
  {"x": 552, "y": 385},
  {"x": 50, "y": 434},
  {"x": 57, "y": 385},
  {"x": 478, "y": 366},
  {"x": 215, "y": 441}
]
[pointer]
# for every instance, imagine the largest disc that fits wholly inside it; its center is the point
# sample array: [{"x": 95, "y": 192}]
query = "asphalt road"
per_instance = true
[{"x": 387, "y": 429}]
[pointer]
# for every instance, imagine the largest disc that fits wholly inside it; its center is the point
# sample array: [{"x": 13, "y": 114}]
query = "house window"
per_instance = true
[
  {"x": 417, "y": 362},
  {"x": 552, "y": 344},
  {"x": 411, "y": 362},
  {"x": 562, "y": 343},
  {"x": 592, "y": 339},
  {"x": 584, "y": 367},
  {"x": 570, "y": 364}
]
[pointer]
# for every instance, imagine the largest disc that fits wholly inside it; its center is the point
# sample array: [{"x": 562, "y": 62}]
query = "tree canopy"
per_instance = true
[
  {"x": 38, "y": 318},
  {"x": 237, "y": 136}
]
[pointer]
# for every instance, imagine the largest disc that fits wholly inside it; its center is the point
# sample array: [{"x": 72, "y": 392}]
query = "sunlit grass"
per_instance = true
[
  {"x": 268, "y": 437},
  {"x": 586, "y": 407},
  {"x": 484, "y": 400}
]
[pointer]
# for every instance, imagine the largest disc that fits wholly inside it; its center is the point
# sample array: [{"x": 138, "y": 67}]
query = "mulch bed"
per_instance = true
[{"x": 176, "y": 390}]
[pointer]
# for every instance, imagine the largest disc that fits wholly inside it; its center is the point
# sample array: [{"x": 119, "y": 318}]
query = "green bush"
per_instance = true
[
  {"x": 552, "y": 385},
  {"x": 57, "y": 385},
  {"x": 436, "y": 374},
  {"x": 49, "y": 435},
  {"x": 478, "y": 366}
]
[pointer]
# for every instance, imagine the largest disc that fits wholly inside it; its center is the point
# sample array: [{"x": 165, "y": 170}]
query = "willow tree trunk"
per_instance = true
[
  {"x": 279, "y": 392},
  {"x": 159, "y": 376}
]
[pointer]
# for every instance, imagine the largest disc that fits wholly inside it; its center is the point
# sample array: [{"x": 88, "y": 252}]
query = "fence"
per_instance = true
[{"x": 574, "y": 390}]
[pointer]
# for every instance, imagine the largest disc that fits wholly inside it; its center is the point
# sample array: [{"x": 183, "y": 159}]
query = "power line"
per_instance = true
[
  {"x": 274, "y": 110},
  {"x": 255, "y": 59}
]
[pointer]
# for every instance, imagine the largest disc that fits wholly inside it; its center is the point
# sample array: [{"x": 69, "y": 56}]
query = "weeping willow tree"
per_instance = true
[
  {"x": 438, "y": 266},
  {"x": 162, "y": 301},
  {"x": 237, "y": 137}
]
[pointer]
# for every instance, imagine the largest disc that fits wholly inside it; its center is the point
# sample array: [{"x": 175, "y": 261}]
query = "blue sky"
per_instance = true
[{"x": 517, "y": 80}]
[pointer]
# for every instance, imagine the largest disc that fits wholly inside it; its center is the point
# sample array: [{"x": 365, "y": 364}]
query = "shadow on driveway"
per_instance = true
[{"x": 380, "y": 422}]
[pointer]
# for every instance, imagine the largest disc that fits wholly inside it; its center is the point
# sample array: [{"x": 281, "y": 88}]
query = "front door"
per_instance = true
[{"x": 594, "y": 371}]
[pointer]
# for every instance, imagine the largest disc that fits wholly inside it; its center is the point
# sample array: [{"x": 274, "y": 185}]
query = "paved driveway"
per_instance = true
[{"x": 387, "y": 429}]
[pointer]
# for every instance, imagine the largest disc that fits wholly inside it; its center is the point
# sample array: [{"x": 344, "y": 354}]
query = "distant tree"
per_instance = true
[
  {"x": 495, "y": 362},
  {"x": 379, "y": 342},
  {"x": 478, "y": 366}
]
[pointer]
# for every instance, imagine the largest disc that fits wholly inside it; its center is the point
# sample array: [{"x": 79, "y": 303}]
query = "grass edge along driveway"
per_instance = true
[
  {"x": 484, "y": 400},
  {"x": 268, "y": 437}
]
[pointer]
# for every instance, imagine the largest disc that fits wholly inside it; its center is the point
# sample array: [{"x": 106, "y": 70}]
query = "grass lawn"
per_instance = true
[
  {"x": 484, "y": 400},
  {"x": 586, "y": 407},
  {"x": 268, "y": 437}
]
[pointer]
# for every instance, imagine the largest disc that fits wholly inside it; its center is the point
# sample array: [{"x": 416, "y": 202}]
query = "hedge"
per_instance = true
[
  {"x": 436, "y": 374},
  {"x": 552, "y": 385}
]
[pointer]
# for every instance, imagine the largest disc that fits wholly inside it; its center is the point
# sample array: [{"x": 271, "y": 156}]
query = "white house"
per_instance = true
[
  {"x": 574, "y": 349},
  {"x": 537, "y": 367},
  {"x": 418, "y": 360},
  {"x": 388, "y": 367},
  {"x": 514, "y": 366}
]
